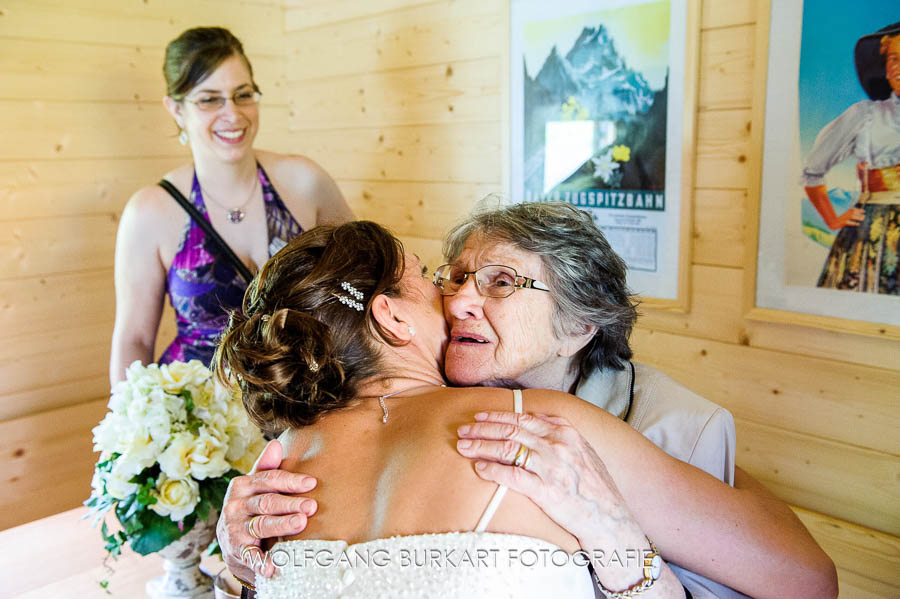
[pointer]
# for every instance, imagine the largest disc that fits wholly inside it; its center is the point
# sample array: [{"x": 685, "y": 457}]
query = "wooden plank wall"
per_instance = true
[
  {"x": 83, "y": 127},
  {"x": 404, "y": 102},
  {"x": 410, "y": 116}
]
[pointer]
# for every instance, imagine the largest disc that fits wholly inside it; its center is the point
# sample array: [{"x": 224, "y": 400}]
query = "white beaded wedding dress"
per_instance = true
[{"x": 455, "y": 565}]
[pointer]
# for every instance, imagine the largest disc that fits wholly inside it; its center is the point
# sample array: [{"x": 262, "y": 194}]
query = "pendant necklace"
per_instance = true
[
  {"x": 381, "y": 399},
  {"x": 235, "y": 215}
]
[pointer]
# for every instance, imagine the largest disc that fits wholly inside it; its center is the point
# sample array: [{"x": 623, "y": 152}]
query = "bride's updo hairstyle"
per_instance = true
[{"x": 302, "y": 342}]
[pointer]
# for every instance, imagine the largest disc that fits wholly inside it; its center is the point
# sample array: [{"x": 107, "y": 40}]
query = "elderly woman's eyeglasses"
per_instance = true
[
  {"x": 493, "y": 280},
  {"x": 247, "y": 97}
]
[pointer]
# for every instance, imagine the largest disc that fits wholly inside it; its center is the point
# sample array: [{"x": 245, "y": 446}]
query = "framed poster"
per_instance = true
[
  {"x": 826, "y": 250},
  {"x": 603, "y": 96}
]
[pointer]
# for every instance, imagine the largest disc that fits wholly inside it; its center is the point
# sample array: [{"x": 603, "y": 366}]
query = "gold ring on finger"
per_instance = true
[
  {"x": 527, "y": 459},
  {"x": 251, "y": 526},
  {"x": 521, "y": 456}
]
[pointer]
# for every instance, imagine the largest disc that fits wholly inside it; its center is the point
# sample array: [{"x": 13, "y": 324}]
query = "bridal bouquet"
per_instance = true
[{"x": 169, "y": 445}]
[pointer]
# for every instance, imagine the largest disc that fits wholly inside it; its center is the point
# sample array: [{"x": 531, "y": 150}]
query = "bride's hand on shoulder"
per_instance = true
[{"x": 257, "y": 506}]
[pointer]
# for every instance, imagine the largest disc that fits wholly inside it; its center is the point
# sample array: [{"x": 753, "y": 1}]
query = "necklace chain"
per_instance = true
[
  {"x": 235, "y": 215},
  {"x": 381, "y": 399}
]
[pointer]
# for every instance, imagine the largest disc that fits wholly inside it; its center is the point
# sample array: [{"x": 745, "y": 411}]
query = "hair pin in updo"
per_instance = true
[
  {"x": 356, "y": 305},
  {"x": 313, "y": 365},
  {"x": 352, "y": 290}
]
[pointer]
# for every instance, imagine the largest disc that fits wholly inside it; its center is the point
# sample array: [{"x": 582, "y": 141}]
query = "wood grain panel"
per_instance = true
[
  {"x": 726, "y": 68},
  {"x": 821, "y": 398},
  {"x": 418, "y": 209},
  {"x": 151, "y": 24},
  {"x": 856, "y": 586},
  {"x": 445, "y": 93},
  {"x": 48, "y": 370},
  {"x": 311, "y": 14},
  {"x": 725, "y": 13},
  {"x": 419, "y": 35},
  {"x": 429, "y": 250},
  {"x": 93, "y": 130},
  {"x": 55, "y": 245},
  {"x": 57, "y": 302},
  {"x": 45, "y": 189},
  {"x": 820, "y": 343},
  {"x": 719, "y": 227},
  {"x": 723, "y": 143},
  {"x": 465, "y": 152},
  {"x": 715, "y": 307},
  {"x": 77, "y": 71},
  {"x": 49, "y": 450},
  {"x": 867, "y": 553},
  {"x": 831, "y": 478}
]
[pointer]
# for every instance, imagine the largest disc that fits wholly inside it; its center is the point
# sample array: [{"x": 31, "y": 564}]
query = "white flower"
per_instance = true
[
  {"x": 150, "y": 412},
  {"x": 179, "y": 375},
  {"x": 201, "y": 457},
  {"x": 142, "y": 378},
  {"x": 175, "y": 497},
  {"x": 118, "y": 485},
  {"x": 108, "y": 432},
  {"x": 175, "y": 461},
  {"x": 208, "y": 456},
  {"x": 605, "y": 166},
  {"x": 244, "y": 463}
]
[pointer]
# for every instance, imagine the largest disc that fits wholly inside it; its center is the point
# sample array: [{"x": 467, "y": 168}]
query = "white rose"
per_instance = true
[
  {"x": 208, "y": 456},
  {"x": 143, "y": 379},
  {"x": 117, "y": 481},
  {"x": 179, "y": 375},
  {"x": 175, "y": 461},
  {"x": 108, "y": 432},
  {"x": 175, "y": 497},
  {"x": 120, "y": 397},
  {"x": 150, "y": 412},
  {"x": 245, "y": 462}
]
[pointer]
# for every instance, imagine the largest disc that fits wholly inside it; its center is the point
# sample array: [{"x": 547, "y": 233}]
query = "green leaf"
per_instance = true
[
  {"x": 156, "y": 532},
  {"x": 202, "y": 509},
  {"x": 213, "y": 548}
]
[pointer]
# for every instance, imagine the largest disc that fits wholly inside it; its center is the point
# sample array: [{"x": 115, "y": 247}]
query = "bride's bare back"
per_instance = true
[{"x": 405, "y": 477}]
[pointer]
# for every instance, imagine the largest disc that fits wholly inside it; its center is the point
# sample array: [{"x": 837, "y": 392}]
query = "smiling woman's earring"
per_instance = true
[
  {"x": 412, "y": 332},
  {"x": 182, "y": 137}
]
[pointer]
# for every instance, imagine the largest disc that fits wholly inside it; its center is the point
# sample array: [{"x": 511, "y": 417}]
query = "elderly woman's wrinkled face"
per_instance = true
[
  {"x": 892, "y": 69},
  {"x": 502, "y": 342}
]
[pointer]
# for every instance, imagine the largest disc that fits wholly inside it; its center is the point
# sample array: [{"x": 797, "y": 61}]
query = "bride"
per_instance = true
[{"x": 340, "y": 342}]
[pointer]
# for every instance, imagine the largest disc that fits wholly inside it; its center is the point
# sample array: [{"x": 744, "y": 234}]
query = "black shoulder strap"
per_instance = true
[{"x": 208, "y": 229}]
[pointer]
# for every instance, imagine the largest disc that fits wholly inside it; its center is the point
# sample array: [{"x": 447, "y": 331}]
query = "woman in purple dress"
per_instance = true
[{"x": 160, "y": 250}]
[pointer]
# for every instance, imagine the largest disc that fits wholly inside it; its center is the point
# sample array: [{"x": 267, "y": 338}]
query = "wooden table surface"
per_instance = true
[{"x": 62, "y": 556}]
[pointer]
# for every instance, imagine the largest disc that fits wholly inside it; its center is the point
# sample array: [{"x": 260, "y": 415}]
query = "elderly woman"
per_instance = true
[
  {"x": 567, "y": 330},
  {"x": 255, "y": 201},
  {"x": 341, "y": 341}
]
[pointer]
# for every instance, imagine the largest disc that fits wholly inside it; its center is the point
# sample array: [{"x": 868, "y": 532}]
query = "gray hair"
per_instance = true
[{"x": 586, "y": 277}]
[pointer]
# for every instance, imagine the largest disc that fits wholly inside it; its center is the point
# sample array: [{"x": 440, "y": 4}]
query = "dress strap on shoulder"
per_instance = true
[{"x": 501, "y": 489}]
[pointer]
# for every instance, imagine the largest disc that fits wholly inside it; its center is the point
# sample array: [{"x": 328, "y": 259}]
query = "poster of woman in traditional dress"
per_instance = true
[{"x": 830, "y": 213}]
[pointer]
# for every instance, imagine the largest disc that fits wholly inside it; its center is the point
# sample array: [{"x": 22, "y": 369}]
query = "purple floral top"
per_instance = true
[{"x": 203, "y": 285}]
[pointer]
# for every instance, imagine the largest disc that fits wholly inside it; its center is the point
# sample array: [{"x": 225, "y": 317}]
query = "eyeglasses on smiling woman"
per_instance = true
[
  {"x": 244, "y": 97},
  {"x": 493, "y": 280}
]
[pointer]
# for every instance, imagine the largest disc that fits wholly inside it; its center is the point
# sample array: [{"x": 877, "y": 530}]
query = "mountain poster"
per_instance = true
[{"x": 596, "y": 117}]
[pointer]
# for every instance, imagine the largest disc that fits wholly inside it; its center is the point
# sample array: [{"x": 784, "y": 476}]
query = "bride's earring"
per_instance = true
[
  {"x": 182, "y": 137},
  {"x": 412, "y": 332}
]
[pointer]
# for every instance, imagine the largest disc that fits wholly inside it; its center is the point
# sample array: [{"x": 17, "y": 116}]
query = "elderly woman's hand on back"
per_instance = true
[
  {"x": 261, "y": 505},
  {"x": 560, "y": 472}
]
